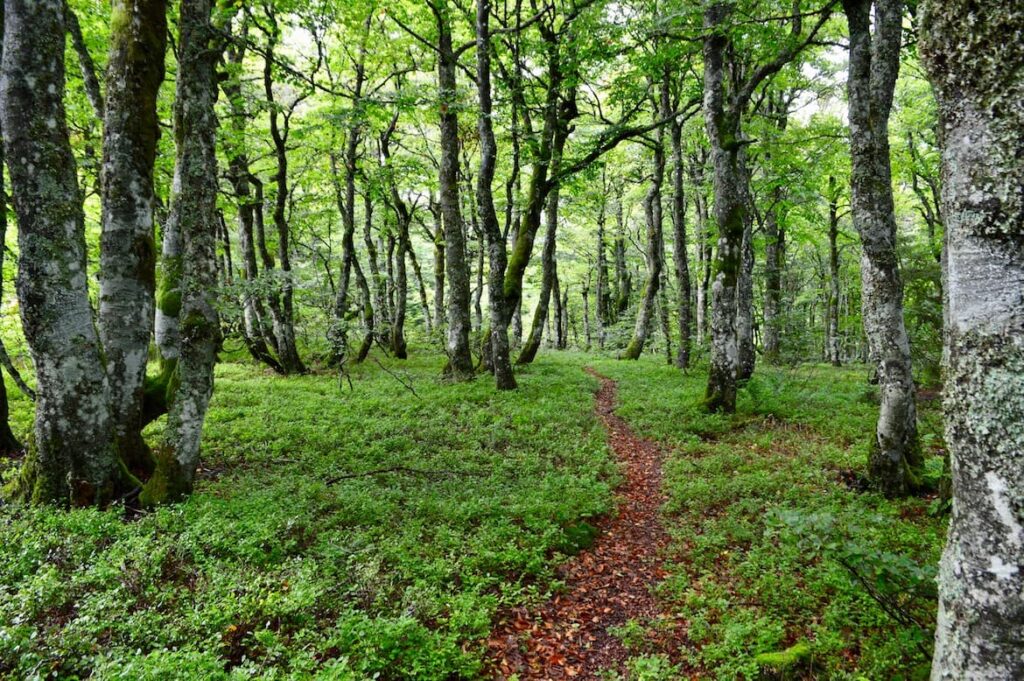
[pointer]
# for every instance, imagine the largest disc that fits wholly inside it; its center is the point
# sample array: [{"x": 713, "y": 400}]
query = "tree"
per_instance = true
[
  {"x": 723, "y": 114},
  {"x": 977, "y": 71},
  {"x": 895, "y": 462},
  {"x": 192, "y": 328},
  {"x": 135, "y": 71},
  {"x": 73, "y": 459}
]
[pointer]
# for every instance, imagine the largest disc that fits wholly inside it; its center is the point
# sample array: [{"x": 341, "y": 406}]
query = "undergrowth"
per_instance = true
[
  {"x": 294, "y": 559},
  {"x": 773, "y": 551}
]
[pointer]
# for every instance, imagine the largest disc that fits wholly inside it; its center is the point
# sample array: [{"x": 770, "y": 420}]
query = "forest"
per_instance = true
[{"x": 512, "y": 339}]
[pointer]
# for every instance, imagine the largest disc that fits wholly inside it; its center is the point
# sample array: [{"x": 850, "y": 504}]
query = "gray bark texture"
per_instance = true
[
  {"x": 73, "y": 460},
  {"x": 193, "y": 217},
  {"x": 975, "y": 61},
  {"x": 135, "y": 70},
  {"x": 894, "y": 462},
  {"x": 654, "y": 215},
  {"x": 460, "y": 360},
  {"x": 680, "y": 252},
  {"x": 500, "y": 307}
]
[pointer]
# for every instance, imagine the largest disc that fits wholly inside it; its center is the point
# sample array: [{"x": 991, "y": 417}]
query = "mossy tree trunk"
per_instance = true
[
  {"x": 73, "y": 459},
  {"x": 135, "y": 71},
  {"x": 977, "y": 70},
  {"x": 654, "y": 214},
  {"x": 724, "y": 108},
  {"x": 280, "y": 125},
  {"x": 895, "y": 462},
  {"x": 531, "y": 346},
  {"x": 460, "y": 360},
  {"x": 834, "y": 354},
  {"x": 253, "y": 311},
  {"x": 680, "y": 252},
  {"x": 500, "y": 309},
  {"x": 192, "y": 221},
  {"x": 404, "y": 218}
]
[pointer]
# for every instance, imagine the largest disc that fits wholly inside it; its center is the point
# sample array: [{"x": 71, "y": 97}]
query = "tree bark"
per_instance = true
[
  {"x": 500, "y": 308},
  {"x": 135, "y": 70},
  {"x": 977, "y": 71},
  {"x": 894, "y": 462},
  {"x": 192, "y": 218},
  {"x": 253, "y": 312},
  {"x": 73, "y": 459},
  {"x": 655, "y": 238},
  {"x": 834, "y": 355},
  {"x": 540, "y": 315},
  {"x": 460, "y": 360},
  {"x": 680, "y": 252},
  {"x": 288, "y": 353}
]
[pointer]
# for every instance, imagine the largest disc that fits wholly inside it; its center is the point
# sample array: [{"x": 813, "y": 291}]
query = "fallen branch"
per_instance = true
[{"x": 405, "y": 384}]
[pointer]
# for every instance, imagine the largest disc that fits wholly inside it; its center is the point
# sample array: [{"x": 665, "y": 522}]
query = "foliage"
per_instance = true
[
  {"x": 272, "y": 571},
  {"x": 743, "y": 582}
]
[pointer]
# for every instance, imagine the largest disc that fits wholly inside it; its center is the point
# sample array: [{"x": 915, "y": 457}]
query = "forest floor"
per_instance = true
[
  {"x": 406, "y": 529},
  {"x": 605, "y": 588}
]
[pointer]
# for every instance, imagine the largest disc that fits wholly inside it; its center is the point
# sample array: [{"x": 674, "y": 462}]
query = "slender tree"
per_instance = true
[
  {"x": 895, "y": 462},
  {"x": 192, "y": 222}
]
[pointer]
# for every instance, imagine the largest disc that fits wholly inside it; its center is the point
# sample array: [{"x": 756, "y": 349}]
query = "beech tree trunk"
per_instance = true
[
  {"x": 680, "y": 251},
  {"x": 500, "y": 306},
  {"x": 723, "y": 128},
  {"x": 745, "y": 299},
  {"x": 895, "y": 462},
  {"x": 135, "y": 70},
  {"x": 655, "y": 238},
  {"x": 192, "y": 218},
  {"x": 833, "y": 272},
  {"x": 73, "y": 459},
  {"x": 460, "y": 360},
  {"x": 540, "y": 315},
  {"x": 977, "y": 70},
  {"x": 9, "y": 444},
  {"x": 288, "y": 353},
  {"x": 253, "y": 312}
]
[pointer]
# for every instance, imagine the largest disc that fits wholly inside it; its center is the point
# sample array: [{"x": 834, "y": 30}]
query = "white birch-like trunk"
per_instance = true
[{"x": 977, "y": 70}]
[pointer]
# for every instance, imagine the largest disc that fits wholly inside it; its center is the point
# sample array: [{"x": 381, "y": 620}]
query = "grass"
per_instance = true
[
  {"x": 269, "y": 571},
  {"x": 295, "y": 559},
  {"x": 765, "y": 532}
]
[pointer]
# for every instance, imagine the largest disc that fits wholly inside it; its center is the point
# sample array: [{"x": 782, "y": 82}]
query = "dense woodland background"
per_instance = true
[{"x": 358, "y": 219}]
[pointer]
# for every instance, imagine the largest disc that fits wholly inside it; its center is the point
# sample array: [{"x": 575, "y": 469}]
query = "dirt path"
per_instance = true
[{"x": 605, "y": 586}]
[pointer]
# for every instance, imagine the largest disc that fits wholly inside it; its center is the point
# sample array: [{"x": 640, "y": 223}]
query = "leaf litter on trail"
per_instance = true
[{"x": 573, "y": 635}]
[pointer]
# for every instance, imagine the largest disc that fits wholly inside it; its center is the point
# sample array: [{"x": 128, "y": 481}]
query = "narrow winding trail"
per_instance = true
[{"x": 606, "y": 586}]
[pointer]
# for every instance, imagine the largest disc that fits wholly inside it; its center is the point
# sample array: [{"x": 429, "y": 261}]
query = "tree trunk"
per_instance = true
[
  {"x": 977, "y": 71},
  {"x": 193, "y": 215},
  {"x": 460, "y": 361},
  {"x": 833, "y": 278},
  {"x": 655, "y": 239},
  {"x": 287, "y": 350},
  {"x": 731, "y": 201},
  {"x": 9, "y": 444},
  {"x": 253, "y": 312},
  {"x": 439, "y": 266},
  {"x": 540, "y": 314},
  {"x": 895, "y": 462},
  {"x": 556, "y": 293},
  {"x": 404, "y": 218},
  {"x": 745, "y": 299},
  {"x": 418, "y": 274},
  {"x": 73, "y": 458},
  {"x": 680, "y": 254},
  {"x": 135, "y": 70},
  {"x": 704, "y": 249},
  {"x": 623, "y": 279},
  {"x": 500, "y": 307}
]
